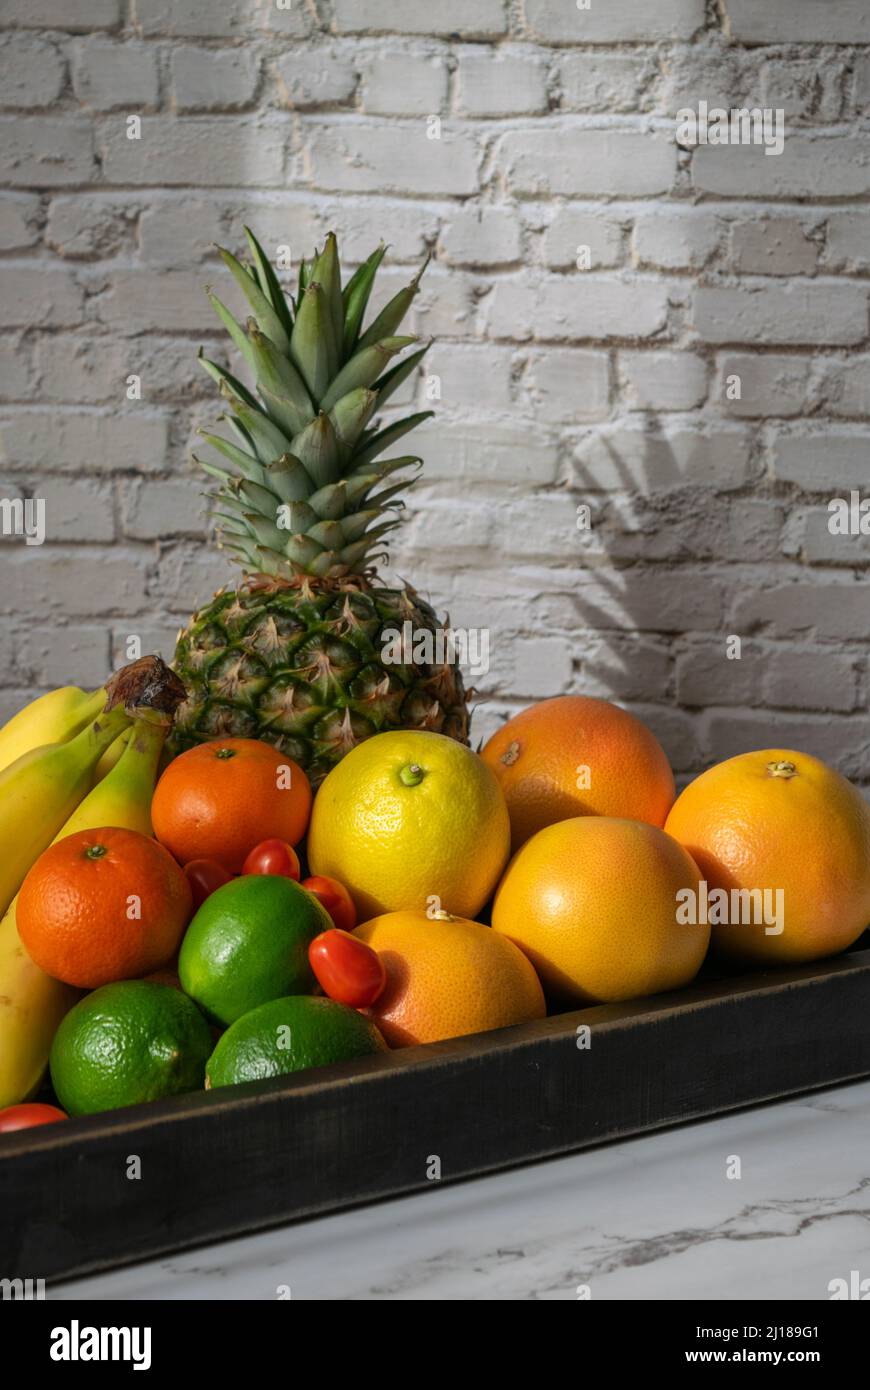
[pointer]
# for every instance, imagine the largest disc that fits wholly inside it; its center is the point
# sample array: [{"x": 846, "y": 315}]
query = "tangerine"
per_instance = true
[
  {"x": 220, "y": 799},
  {"x": 103, "y": 905}
]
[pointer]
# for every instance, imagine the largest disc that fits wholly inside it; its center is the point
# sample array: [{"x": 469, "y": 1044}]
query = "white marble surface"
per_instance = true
[{"x": 650, "y": 1218}]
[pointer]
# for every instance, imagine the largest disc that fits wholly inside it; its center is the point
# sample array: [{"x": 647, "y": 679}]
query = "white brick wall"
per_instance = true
[
  {"x": 110, "y": 76},
  {"x": 595, "y": 293}
]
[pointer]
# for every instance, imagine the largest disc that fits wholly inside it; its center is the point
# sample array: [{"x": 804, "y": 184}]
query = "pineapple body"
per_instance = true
[
  {"x": 304, "y": 652},
  {"x": 313, "y": 670}
]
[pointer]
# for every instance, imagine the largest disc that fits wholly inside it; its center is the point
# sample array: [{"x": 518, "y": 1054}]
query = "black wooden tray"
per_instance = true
[{"x": 221, "y": 1163}]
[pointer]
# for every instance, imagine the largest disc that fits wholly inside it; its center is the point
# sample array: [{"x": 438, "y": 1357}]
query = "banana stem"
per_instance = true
[
  {"x": 99, "y": 734},
  {"x": 146, "y": 684},
  {"x": 145, "y": 744},
  {"x": 95, "y": 706}
]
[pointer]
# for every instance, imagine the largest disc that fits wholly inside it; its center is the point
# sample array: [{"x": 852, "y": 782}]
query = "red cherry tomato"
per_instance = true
[
  {"x": 347, "y": 969},
  {"x": 26, "y": 1116},
  {"x": 204, "y": 876},
  {"x": 335, "y": 898},
  {"x": 273, "y": 857}
]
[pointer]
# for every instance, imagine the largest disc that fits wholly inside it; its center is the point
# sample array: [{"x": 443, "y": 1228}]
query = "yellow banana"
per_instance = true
[
  {"x": 123, "y": 797},
  {"x": 40, "y": 791},
  {"x": 111, "y": 756},
  {"x": 32, "y": 1004},
  {"x": 52, "y": 718}
]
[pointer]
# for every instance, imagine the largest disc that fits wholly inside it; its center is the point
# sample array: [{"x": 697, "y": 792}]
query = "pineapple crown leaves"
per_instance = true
[{"x": 302, "y": 493}]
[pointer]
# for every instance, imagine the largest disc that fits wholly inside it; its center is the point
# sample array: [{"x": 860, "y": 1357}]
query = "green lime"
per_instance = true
[
  {"x": 126, "y": 1043},
  {"x": 290, "y": 1035},
  {"x": 248, "y": 943}
]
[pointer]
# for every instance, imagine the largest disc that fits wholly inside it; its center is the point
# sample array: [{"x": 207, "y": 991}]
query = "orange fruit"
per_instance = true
[
  {"x": 446, "y": 977},
  {"x": 103, "y": 905},
  {"x": 593, "y": 903},
  {"x": 771, "y": 821},
  {"x": 577, "y": 756},
  {"x": 220, "y": 799}
]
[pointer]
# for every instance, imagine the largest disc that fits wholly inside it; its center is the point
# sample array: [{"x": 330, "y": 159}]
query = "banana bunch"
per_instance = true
[
  {"x": 47, "y": 793},
  {"x": 53, "y": 718}
]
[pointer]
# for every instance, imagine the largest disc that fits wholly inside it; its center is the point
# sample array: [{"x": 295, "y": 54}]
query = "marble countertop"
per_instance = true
[{"x": 651, "y": 1218}]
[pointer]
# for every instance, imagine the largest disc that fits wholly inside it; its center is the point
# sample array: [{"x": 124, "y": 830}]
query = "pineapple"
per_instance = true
[{"x": 304, "y": 652}]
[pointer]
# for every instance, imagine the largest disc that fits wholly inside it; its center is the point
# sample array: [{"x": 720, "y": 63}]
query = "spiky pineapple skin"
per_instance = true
[{"x": 302, "y": 667}]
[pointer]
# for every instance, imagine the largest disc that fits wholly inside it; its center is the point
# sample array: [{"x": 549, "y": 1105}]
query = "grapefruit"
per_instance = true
[
  {"x": 446, "y": 977},
  {"x": 779, "y": 822},
  {"x": 593, "y": 902},
  {"x": 578, "y": 756}
]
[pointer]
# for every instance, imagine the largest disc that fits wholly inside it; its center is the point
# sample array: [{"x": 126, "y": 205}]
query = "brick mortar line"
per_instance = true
[{"x": 670, "y": 200}]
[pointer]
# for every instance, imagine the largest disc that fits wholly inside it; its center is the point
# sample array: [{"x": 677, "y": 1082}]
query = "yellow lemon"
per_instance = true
[{"x": 411, "y": 820}]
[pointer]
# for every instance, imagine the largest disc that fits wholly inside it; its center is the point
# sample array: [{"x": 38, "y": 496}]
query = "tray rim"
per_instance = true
[
  {"x": 488, "y": 1102},
  {"x": 90, "y": 1130}
]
